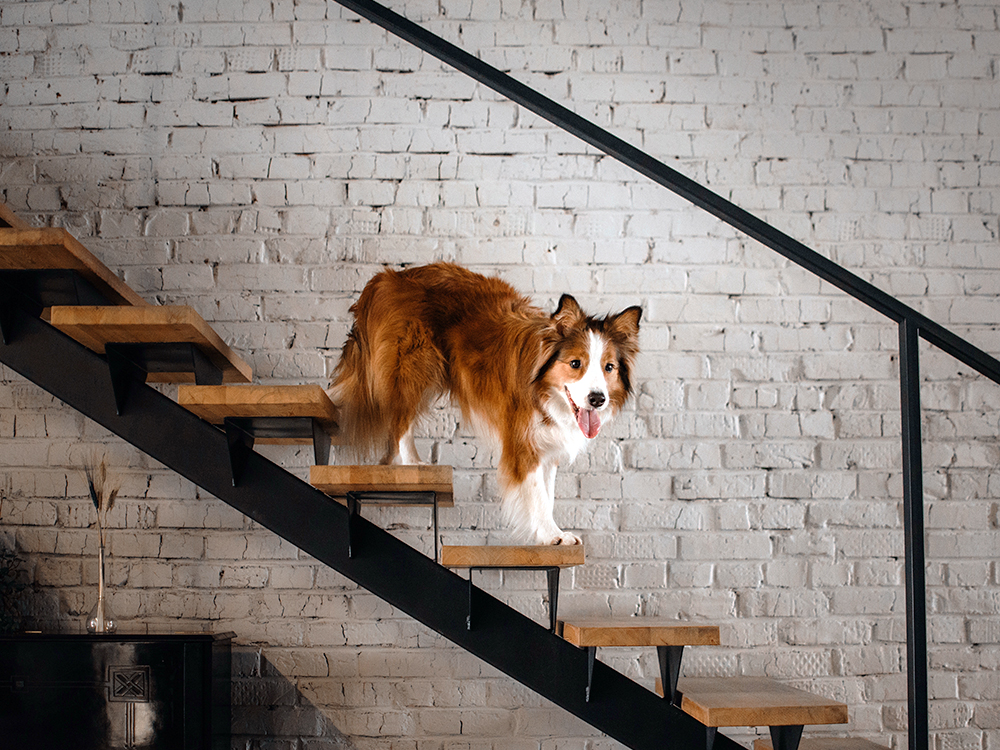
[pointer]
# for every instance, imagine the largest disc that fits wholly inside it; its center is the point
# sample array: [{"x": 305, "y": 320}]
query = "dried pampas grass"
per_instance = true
[{"x": 103, "y": 485}]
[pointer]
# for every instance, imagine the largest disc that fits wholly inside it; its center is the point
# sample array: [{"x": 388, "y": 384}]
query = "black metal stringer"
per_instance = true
[{"x": 401, "y": 575}]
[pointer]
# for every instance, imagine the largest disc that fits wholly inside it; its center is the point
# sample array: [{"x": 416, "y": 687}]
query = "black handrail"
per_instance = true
[
  {"x": 912, "y": 324},
  {"x": 673, "y": 180}
]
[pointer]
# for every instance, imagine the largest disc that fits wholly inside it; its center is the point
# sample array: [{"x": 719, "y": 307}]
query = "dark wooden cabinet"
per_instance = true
[{"x": 98, "y": 692}]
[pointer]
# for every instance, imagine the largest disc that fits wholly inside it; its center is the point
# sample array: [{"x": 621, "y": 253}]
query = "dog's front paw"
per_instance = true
[{"x": 566, "y": 538}]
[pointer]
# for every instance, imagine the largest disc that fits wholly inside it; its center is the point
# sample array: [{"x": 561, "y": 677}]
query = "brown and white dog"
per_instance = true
[{"x": 541, "y": 384}]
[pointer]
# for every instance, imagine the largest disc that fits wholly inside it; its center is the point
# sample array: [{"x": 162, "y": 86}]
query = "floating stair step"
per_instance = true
[
  {"x": 669, "y": 637},
  {"x": 756, "y": 702},
  {"x": 550, "y": 558},
  {"x": 216, "y": 403},
  {"x": 337, "y": 481},
  {"x": 825, "y": 743},
  {"x": 489, "y": 557},
  {"x": 638, "y": 631},
  {"x": 415, "y": 485},
  {"x": 53, "y": 250},
  {"x": 275, "y": 414},
  {"x": 159, "y": 330}
]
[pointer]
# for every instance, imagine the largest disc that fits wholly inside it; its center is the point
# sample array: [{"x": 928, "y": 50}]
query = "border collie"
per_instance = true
[{"x": 542, "y": 385}]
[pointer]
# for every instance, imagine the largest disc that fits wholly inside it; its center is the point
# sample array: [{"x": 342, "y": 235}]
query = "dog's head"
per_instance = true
[{"x": 588, "y": 362}]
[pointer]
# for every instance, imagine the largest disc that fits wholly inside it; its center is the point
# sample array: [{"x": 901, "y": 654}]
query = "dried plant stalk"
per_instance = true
[{"x": 103, "y": 485}]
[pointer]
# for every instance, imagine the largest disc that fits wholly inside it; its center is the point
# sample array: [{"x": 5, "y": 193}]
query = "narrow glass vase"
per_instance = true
[{"x": 101, "y": 619}]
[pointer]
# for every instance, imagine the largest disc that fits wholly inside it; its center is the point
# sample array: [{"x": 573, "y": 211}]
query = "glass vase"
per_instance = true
[{"x": 101, "y": 619}]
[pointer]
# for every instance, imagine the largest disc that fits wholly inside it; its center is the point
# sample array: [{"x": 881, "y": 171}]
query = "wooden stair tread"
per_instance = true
[
  {"x": 755, "y": 702},
  {"x": 56, "y": 249},
  {"x": 9, "y": 219},
  {"x": 534, "y": 556},
  {"x": 825, "y": 743},
  {"x": 638, "y": 631},
  {"x": 214, "y": 403},
  {"x": 96, "y": 326},
  {"x": 337, "y": 481}
]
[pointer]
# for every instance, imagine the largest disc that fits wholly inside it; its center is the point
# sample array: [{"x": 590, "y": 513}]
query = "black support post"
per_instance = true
[{"x": 913, "y": 526}]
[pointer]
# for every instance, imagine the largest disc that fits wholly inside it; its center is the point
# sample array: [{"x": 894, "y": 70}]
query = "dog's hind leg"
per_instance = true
[
  {"x": 410, "y": 374},
  {"x": 406, "y": 452}
]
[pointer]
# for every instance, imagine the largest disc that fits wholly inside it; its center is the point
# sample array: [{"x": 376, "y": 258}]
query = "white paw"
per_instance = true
[{"x": 565, "y": 537}]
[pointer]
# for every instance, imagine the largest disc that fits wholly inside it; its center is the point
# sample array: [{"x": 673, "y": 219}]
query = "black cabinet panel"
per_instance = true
[{"x": 169, "y": 692}]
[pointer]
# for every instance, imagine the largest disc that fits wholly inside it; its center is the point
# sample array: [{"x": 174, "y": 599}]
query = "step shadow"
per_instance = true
[{"x": 269, "y": 710}]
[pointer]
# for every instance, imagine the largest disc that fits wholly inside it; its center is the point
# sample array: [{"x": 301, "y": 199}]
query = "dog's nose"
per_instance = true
[{"x": 596, "y": 399}]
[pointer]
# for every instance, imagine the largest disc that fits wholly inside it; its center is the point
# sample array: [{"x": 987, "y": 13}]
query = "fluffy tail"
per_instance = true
[
  {"x": 389, "y": 372},
  {"x": 363, "y": 426}
]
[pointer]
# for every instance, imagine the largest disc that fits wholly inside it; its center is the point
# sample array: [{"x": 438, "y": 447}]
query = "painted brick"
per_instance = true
[{"x": 261, "y": 161}]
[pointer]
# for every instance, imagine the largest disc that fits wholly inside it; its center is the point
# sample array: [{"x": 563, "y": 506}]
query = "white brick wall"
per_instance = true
[{"x": 261, "y": 160}]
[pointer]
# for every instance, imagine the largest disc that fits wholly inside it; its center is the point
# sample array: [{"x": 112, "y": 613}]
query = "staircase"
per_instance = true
[
  {"x": 110, "y": 389},
  {"x": 99, "y": 358}
]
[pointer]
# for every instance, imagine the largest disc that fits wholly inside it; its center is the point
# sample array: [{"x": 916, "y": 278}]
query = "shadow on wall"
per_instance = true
[
  {"x": 23, "y": 606},
  {"x": 270, "y": 709}
]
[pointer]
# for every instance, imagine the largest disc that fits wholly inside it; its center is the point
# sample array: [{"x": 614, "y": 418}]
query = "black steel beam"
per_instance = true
[
  {"x": 390, "y": 569},
  {"x": 913, "y": 530}
]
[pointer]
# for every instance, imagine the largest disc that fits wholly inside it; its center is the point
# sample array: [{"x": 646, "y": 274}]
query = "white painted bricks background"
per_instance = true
[{"x": 261, "y": 160}]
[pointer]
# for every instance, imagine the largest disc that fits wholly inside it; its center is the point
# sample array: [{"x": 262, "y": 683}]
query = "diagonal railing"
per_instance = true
[{"x": 913, "y": 325}]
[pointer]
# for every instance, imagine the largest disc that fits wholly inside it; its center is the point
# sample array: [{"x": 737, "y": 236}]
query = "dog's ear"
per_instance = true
[
  {"x": 567, "y": 314},
  {"x": 626, "y": 322},
  {"x": 623, "y": 329}
]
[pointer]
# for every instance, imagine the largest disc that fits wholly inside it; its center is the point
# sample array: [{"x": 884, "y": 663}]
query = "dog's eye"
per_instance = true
[
  {"x": 575, "y": 364},
  {"x": 609, "y": 367}
]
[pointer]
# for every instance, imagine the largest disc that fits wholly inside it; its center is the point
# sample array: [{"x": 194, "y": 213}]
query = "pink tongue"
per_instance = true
[{"x": 589, "y": 421}]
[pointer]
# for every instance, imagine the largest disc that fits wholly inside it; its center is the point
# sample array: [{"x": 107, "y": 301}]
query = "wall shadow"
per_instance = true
[{"x": 269, "y": 710}]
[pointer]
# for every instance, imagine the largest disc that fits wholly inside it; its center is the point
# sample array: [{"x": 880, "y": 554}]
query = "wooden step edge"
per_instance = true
[
  {"x": 825, "y": 743},
  {"x": 27, "y": 248},
  {"x": 754, "y": 702},
  {"x": 337, "y": 481},
  {"x": 494, "y": 556},
  {"x": 9, "y": 219},
  {"x": 638, "y": 632},
  {"x": 214, "y": 403},
  {"x": 95, "y": 326}
]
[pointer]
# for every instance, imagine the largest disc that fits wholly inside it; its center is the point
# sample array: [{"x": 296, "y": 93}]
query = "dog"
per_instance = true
[{"x": 542, "y": 385}]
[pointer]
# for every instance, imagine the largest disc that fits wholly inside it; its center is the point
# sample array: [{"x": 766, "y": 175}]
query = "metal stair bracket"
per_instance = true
[
  {"x": 244, "y": 431},
  {"x": 356, "y": 498},
  {"x": 390, "y": 569},
  {"x": 551, "y": 580},
  {"x": 36, "y": 289},
  {"x": 130, "y": 363}
]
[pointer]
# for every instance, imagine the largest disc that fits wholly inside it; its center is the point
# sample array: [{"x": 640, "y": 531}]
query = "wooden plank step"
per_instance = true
[
  {"x": 825, "y": 743},
  {"x": 755, "y": 702},
  {"x": 96, "y": 326},
  {"x": 9, "y": 219},
  {"x": 670, "y": 637},
  {"x": 637, "y": 632},
  {"x": 534, "y": 556},
  {"x": 214, "y": 403},
  {"x": 337, "y": 481},
  {"x": 26, "y": 249}
]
